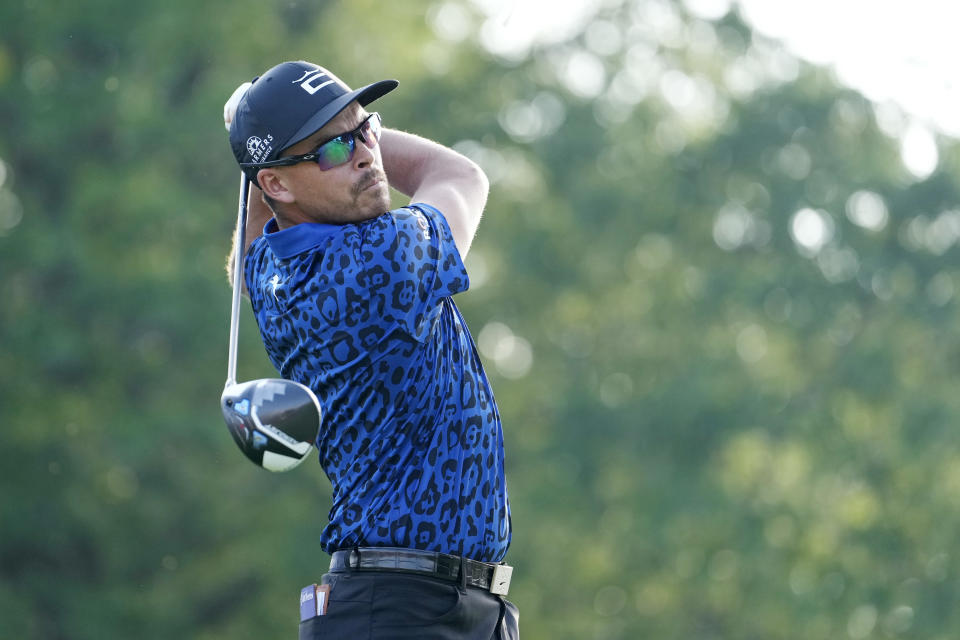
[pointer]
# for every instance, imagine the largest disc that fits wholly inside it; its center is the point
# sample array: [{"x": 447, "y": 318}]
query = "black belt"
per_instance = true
[{"x": 493, "y": 577}]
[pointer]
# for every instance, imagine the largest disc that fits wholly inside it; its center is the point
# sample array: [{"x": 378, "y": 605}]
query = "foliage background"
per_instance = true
[{"x": 717, "y": 310}]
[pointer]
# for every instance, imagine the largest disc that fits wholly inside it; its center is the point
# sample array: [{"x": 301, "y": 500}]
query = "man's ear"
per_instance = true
[{"x": 273, "y": 185}]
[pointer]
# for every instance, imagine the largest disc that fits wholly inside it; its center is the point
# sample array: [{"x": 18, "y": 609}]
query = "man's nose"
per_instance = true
[{"x": 363, "y": 156}]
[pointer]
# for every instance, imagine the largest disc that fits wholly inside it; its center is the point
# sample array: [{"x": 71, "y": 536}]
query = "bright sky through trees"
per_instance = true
[{"x": 900, "y": 55}]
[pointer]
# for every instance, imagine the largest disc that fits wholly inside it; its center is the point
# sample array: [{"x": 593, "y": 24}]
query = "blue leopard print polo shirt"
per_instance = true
[{"x": 411, "y": 437}]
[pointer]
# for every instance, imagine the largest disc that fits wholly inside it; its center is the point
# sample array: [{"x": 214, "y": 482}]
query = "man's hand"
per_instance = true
[{"x": 230, "y": 106}]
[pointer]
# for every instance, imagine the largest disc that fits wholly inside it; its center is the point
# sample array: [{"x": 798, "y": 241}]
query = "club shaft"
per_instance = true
[{"x": 237, "y": 279}]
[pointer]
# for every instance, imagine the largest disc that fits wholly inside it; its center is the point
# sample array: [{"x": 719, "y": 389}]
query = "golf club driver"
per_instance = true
[{"x": 274, "y": 421}]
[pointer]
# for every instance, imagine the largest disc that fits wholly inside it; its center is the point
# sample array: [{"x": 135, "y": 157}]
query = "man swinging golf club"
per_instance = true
[{"x": 354, "y": 301}]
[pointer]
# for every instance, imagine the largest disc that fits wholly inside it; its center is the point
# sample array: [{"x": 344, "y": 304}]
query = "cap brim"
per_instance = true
[{"x": 364, "y": 95}]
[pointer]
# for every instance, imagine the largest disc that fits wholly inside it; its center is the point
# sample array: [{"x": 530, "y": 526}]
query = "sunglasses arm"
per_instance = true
[{"x": 281, "y": 162}]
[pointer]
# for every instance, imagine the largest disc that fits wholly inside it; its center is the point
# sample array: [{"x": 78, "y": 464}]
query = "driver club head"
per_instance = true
[{"x": 274, "y": 421}]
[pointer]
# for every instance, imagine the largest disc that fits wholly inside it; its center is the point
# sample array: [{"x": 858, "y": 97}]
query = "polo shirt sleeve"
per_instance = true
[{"x": 411, "y": 264}]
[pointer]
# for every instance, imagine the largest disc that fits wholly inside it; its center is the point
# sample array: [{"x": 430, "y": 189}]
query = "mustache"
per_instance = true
[{"x": 371, "y": 176}]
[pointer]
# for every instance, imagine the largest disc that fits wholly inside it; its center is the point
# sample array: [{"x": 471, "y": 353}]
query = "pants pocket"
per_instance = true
[
  {"x": 405, "y": 601},
  {"x": 348, "y": 611}
]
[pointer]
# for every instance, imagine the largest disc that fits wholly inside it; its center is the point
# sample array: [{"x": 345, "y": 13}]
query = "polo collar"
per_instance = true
[{"x": 286, "y": 243}]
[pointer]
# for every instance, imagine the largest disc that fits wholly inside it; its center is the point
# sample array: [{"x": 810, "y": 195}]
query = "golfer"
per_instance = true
[{"x": 355, "y": 301}]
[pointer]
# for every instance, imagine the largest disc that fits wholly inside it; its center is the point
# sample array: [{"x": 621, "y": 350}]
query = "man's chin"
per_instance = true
[{"x": 377, "y": 200}]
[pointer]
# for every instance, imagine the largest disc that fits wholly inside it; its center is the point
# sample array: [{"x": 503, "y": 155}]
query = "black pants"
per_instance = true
[{"x": 381, "y": 605}]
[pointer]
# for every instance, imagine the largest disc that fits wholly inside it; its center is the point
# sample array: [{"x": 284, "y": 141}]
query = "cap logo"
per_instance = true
[
  {"x": 259, "y": 148},
  {"x": 308, "y": 81}
]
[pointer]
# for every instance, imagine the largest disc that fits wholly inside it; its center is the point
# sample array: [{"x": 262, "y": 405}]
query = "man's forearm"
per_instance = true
[
  {"x": 407, "y": 159},
  {"x": 428, "y": 172}
]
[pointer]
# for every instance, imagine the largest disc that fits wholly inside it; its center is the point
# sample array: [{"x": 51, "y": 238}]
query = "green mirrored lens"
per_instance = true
[{"x": 335, "y": 152}]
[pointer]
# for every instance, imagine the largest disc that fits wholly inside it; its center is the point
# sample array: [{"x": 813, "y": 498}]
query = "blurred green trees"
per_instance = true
[{"x": 717, "y": 311}]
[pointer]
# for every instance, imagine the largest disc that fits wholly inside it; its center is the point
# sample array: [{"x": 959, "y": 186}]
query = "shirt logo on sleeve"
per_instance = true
[{"x": 422, "y": 222}]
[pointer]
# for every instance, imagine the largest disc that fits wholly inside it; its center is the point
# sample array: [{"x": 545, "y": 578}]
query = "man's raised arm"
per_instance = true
[
  {"x": 257, "y": 210},
  {"x": 438, "y": 176}
]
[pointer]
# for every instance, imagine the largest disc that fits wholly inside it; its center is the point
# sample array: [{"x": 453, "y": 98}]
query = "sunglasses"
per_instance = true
[{"x": 335, "y": 151}]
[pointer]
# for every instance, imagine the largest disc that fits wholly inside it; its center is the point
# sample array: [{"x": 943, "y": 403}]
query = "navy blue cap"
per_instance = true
[{"x": 287, "y": 104}]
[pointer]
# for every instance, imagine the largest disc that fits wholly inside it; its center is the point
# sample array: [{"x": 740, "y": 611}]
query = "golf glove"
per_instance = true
[{"x": 230, "y": 106}]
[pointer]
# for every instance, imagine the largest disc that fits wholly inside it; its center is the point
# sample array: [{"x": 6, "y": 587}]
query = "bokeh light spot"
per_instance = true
[
  {"x": 811, "y": 229},
  {"x": 918, "y": 151},
  {"x": 868, "y": 210}
]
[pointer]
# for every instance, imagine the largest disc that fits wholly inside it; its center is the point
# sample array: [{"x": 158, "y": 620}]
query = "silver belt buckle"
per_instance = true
[{"x": 500, "y": 582}]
